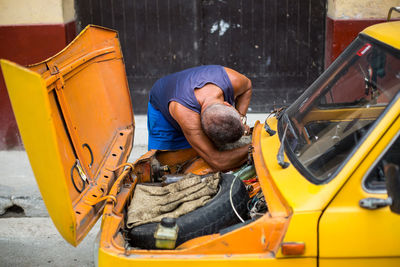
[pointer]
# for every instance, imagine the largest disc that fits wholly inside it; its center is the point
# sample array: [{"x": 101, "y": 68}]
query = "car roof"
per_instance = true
[{"x": 387, "y": 32}]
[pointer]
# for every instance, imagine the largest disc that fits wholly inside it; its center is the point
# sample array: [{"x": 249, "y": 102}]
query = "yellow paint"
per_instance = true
[
  {"x": 301, "y": 194},
  {"x": 355, "y": 9},
  {"x": 387, "y": 33},
  {"x": 365, "y": 262},
  {"x": 108, "y": 259},
  {"x": 28, "y": 93},
  {"x": 64, "y": 106},
  {"x": 348, "y": 231},
  {"x": 295, "y": 204},
  {"x": 26, "y": 12},
  {"x": 302, "y": 228}
]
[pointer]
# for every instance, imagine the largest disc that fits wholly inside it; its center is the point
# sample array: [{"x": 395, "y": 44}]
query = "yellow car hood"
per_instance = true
[{"x": 75, "y": 117}]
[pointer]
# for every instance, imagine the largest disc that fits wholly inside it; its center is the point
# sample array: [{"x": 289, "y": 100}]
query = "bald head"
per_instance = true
[{"x": 221, "y": 124}]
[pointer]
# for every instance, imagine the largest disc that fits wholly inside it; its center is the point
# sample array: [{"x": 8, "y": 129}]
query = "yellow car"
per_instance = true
[{"x": 321, "y": 166}]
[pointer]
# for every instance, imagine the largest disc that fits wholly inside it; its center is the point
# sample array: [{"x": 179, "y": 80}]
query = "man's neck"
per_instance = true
[{"x": 209, "y": 94}]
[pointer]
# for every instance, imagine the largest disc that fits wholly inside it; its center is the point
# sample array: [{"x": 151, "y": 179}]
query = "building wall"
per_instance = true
[
  {"x": 279, "y": 45},
  {"x": 30, "y": 31},
  {"x": 346, "y": 18}
]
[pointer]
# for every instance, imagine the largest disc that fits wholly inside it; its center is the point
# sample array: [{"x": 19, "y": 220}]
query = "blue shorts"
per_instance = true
[{"x": 162, "y": 135}]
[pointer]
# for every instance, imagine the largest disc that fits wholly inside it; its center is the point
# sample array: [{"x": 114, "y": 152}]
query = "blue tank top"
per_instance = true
[{"x": 180, "y": 87}]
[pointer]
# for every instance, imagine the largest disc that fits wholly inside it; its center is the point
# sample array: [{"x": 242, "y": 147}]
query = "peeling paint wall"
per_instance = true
[
  {"x": 279, "y": 45},
  {"x": 22, "y": 12},
  {"x": 220, "y": 26},
  {"x": 347, "y": 18},
  {"x": 366, "y": 9}
]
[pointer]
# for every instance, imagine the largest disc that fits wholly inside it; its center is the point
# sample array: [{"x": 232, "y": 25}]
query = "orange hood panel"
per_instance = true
[{"x": 75, "y": 117}]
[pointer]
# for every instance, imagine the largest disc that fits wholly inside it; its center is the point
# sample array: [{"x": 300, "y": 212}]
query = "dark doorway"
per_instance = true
[{"x": 279, "y": 45}]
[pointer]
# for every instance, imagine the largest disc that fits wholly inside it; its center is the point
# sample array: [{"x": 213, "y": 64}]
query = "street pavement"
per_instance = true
[{"x": 27, "y": 235}]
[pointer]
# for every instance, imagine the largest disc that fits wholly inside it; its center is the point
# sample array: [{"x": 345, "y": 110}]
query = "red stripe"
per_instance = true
[
  {"x": 26, "y": 44},
  {"x": 340, "y": 33}
]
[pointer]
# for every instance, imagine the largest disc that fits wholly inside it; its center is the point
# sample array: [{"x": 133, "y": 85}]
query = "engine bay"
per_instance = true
[{"x": 163, "y": 177}]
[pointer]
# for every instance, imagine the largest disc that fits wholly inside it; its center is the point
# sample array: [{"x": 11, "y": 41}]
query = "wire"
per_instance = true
[{"x": 230, "y": 198}]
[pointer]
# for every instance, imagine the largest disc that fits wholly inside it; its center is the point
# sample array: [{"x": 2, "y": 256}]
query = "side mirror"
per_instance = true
[{"x": 392, "y": 174}]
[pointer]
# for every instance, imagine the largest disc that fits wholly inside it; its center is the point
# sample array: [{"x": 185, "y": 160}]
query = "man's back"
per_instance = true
[{"x": 180, "y": 86}]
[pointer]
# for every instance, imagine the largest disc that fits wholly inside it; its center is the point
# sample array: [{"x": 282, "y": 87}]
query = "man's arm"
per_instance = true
[
  {"x": 191, "y": 127},
  {"x": 242, "y": 90}
]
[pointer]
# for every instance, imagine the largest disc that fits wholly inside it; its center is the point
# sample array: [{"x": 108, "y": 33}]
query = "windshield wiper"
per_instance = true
[
  {"x": 268, "y": 128},
  {"x": 278, "y": 113},
  {"x": 280, "y": 157}
]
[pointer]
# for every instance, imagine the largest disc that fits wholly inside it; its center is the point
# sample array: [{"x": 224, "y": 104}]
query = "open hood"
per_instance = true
[{"x": 75, "y": 117}]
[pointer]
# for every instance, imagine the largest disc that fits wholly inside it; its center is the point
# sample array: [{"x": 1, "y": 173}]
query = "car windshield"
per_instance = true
[{"x": 331, "y": 118}]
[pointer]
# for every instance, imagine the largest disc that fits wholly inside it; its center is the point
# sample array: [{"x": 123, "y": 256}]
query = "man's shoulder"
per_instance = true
[
  {"x": 178, "y": 108},
  {"x": 185, "y": 117}
]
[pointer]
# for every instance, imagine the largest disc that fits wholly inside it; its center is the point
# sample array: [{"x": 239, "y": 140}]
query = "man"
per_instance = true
[{"x": 194, "y": 108}]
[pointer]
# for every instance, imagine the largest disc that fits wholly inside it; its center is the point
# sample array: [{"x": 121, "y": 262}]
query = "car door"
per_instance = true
[{"x": 350, "y": 235}]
